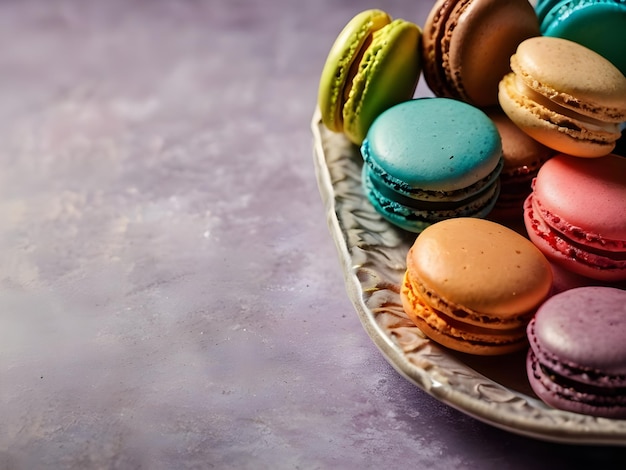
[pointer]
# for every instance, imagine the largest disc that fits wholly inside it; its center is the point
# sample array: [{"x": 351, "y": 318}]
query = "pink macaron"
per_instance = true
[{"x": 576, "y": 215}]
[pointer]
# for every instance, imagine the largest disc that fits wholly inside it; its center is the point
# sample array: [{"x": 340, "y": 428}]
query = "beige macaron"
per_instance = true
[
  {"x": 565, "y": 96},
  {"x": 466, "y": 46}
]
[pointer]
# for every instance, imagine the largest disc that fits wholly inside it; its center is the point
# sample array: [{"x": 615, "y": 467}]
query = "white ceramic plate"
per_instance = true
[{"x": 372, "y": 253}]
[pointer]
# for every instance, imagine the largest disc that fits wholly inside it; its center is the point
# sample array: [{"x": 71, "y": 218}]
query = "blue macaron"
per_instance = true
[
  {"x": 431, "y": 159},
  {"x": 599, "y": 25}
]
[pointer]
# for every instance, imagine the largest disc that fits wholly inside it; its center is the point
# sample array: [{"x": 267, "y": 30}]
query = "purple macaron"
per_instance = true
[{"x": 577, "y": 356}]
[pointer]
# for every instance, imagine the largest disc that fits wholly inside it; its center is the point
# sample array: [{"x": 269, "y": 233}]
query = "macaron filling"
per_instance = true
[
  {"x": 417, "y": 194},
  {"x": 492, "y": 336},
  {"x": 574, "y": 387},
  {"x": 427, "y": 200},
  {"x": 416, "y": 215},
  {"x": 462, "y": 315},
  {"x": 562, "y": 110},
  {"x": 570, "y": 390}
]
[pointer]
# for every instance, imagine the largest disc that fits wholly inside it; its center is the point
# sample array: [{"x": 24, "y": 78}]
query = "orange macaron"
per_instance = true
[{"x": 473, "y": 285}]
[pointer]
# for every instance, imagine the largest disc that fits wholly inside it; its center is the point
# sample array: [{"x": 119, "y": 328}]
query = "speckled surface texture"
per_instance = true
[{"x": 170, "y": 296}]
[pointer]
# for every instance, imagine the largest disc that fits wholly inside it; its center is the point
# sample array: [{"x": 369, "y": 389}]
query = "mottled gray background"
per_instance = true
[{"x": 170, "y": 295}]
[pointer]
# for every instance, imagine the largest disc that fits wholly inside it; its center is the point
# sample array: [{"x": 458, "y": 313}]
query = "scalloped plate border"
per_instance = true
[{"x": 372, "y": 254}]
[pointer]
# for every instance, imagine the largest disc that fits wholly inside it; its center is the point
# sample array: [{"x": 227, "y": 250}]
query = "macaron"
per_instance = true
[
  {"x": 576, "y": 215},
  {"x": 473, "y": 285},
  {"x": 431, "y": 159},
  {"x": 577, "y": 356},
  {"x": 522, "y": 156},
  {"x": 620, "y": 145},
  {"x": 565, "y": 96},
  {"x": 373, "y": 64},
  {"x": 466, "y": 46},
  {"x": 598, "y": 25}
]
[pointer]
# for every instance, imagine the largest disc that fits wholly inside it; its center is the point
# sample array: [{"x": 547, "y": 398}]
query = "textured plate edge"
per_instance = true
[{"x": 590, "y": 432}]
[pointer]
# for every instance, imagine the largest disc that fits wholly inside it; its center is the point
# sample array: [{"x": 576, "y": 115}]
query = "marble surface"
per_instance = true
[{"x": 170, "y": 295}]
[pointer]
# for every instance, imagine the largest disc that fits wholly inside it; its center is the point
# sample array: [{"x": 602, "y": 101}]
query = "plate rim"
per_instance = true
[{"x": 547, "y": 424}]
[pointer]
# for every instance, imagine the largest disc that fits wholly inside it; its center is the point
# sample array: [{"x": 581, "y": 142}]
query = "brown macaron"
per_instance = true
[
  {"x": 522, "y": 157},
  {"x": 473, "y": 285},
  {"x": 467, "y": 44}
]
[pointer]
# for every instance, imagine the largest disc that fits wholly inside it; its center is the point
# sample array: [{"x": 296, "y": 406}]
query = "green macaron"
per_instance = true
[{"x": 373, "y": 65}]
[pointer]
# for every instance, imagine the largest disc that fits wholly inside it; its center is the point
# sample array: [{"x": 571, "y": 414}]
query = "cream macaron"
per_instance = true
[{"x": 565, "y": 96}]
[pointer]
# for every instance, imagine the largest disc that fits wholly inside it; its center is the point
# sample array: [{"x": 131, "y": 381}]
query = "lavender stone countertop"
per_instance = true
[{"x": 170, "y": 295}]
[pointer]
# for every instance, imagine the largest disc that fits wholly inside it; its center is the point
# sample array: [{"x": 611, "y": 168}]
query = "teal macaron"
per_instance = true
[
  {"x": 431, "y": 159},
  {"x": 599, "y": 25}
]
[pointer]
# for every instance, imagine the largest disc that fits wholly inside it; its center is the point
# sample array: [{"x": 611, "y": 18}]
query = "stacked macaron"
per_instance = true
[
  {"x": 576, "y": 215},
  {"x": 577, "y": 356},
  {"x": 431, "y": 159},
  {"x": 473, "y": 285}
]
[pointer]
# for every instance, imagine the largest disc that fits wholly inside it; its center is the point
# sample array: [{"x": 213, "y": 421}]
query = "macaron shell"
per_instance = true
[
  {"x": 587, "y": 196},
  {"x": 552, "y": 129},
  {"x": 584, "y": 328},
  {"x": 388, "y": 74},
  {"x": 432, "y": 54},
  {"x": 543, "y": 7},
  {"x": 598, "y": 25},
  {"x": 413, "y": 216},
  {"x": 522, "y": 155},
  {"x": 462, "y": 338},
  {"x": 573, "y": 76},
  {"x": 343, "y": 54},
  {"x": 482, "y": 266},
  {"x": 483, "y": 39},
  {"x": 436, "y": 144},
  {"x": 577, "y": 356},
  {"x": 576, "y": 258},
  {"x": 568, "y": 399}
]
